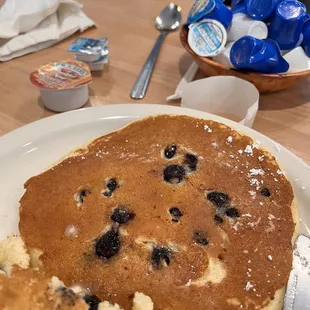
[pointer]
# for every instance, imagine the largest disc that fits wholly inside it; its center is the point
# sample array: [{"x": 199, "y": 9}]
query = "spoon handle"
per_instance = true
[{"x": 139, "y": 89}]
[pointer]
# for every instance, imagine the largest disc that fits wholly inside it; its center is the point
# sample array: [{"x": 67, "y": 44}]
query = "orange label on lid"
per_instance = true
[{"x": 61, "y": 75}]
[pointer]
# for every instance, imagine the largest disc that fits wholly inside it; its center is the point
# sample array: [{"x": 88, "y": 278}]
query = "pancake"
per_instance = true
[
  {"x": 185, "y": 210},
  {"x": 22, "y": 287},
  {"x": 13, "y": 252},
  {"x": 31, "y": 290}
]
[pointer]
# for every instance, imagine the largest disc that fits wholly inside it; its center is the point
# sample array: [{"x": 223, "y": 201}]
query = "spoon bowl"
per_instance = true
[{"x": 169, "y": 19}]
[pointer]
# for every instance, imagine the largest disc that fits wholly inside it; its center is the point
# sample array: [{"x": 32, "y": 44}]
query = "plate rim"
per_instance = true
[
  {"x": 19, "y": 141},
  {"x": 21, "y": 135}
]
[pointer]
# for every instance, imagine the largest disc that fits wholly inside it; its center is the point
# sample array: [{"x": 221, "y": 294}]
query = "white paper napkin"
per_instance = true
[
  {"x": 222, "y": 95},
  {"x": 32, "y": 25}
]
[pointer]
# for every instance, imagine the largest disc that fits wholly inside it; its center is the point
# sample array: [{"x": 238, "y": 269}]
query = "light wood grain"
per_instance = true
[{"x": 283, "y": 116}]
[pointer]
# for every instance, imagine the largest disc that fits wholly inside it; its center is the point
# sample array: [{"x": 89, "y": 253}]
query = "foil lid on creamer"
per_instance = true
[
  {"x": 89, "y": 46},
  {"x": 207, "y": 38},
  {"x": 60, "y": 75}
]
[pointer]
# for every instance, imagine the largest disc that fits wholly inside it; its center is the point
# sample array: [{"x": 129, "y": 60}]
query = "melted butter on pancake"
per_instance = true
[
  {"x": 233, "y": 302},
  {"x": 215, "y": 273}
]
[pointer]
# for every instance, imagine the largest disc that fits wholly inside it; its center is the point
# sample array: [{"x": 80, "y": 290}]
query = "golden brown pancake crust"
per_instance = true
[
  {"x": 255, "y": 248},
  {"x": 29, "y": 290}
]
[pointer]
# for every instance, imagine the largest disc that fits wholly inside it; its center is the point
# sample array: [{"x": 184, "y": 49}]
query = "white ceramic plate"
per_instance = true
[{"x": 31, "y": 149}]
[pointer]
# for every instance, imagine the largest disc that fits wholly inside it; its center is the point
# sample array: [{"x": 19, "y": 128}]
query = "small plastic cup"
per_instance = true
[
  {"x": 287, "y": 24},
  {"x": 270, "y": 17},
  {"x": 306, "y": 37},
  {"x": 207, "y": 38},
  {"x": 97, "y": 65},
  {"x": 239, "y": 8},
  {"x": 297, "y": 59},
  {"x": 89, "y": 49},
  {"x": 243, "y": 26},
  {"x": 234, "y": 3},
  {"x": 87, "y": 57},
  {"x": 63, "y": 84},
  {"x": 220, "y": 13},
  {"x": 259, "y": 9},
  {"x": 65, "y": 99},
  {"x": 263, "y": 56},
  {"x": 224, "y": 57},
  {"x": 210, "y": 9},
  {"x": 200, "y": 9}
]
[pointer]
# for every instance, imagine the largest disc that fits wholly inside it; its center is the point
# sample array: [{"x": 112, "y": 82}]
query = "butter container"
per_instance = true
[
  {"x": 63, "y": 85},
  {"x": 87, "y": 58},
  {"x": 97, "y": 65},
  {"x": 89, "y": 49}
]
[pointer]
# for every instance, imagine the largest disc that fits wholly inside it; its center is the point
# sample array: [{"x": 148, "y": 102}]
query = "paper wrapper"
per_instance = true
[{"x": 222, "y": 95}]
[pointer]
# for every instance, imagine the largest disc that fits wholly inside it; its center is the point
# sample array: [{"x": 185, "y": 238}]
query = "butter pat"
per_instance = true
[
  {"x": 142, "y": 302},
  {"x": 13, "y": 252},
  {"x": 89, "y": 49}
]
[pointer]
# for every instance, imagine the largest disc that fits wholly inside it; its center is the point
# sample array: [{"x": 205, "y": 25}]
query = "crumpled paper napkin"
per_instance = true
[{"x": 32, "y": 25}]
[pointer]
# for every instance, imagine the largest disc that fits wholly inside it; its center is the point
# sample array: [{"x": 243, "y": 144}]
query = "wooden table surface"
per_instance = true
[{"x": 283, "y": 116}]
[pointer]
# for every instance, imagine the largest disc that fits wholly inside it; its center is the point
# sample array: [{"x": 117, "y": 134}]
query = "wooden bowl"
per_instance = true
[{"x": 264, "y": 82}]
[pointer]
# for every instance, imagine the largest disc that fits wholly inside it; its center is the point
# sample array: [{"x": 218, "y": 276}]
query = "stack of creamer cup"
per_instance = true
[
  {"x": 267, "y": 36},
  {"x": 93, "y": 52}
]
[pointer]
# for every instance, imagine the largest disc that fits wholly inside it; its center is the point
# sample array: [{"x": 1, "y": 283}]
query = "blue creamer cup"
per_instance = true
[
  {"x": 199, "y": 9},
  {"x": 251, "y": 54},
  {"x": 306, "y": 39},
  {"x": 270, "y": 17},
  {"x": 239, "y": 8},
  {"x": 234, "y": 3},
  {"x": 210, "y": 9},
  {"x": 259, "y": 9},
  {"x": 307, "y": 17},
  {"x": 220, "y": 13},
  {"x": 287, "y": 23}
]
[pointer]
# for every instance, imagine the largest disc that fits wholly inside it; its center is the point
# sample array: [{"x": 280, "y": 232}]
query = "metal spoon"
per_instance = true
[{"x": 169, "y": 19}]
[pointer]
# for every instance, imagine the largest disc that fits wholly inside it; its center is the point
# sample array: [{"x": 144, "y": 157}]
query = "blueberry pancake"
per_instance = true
[
  {"x": 185, "y": 210},
  {"x": 31, "y": 290}
]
